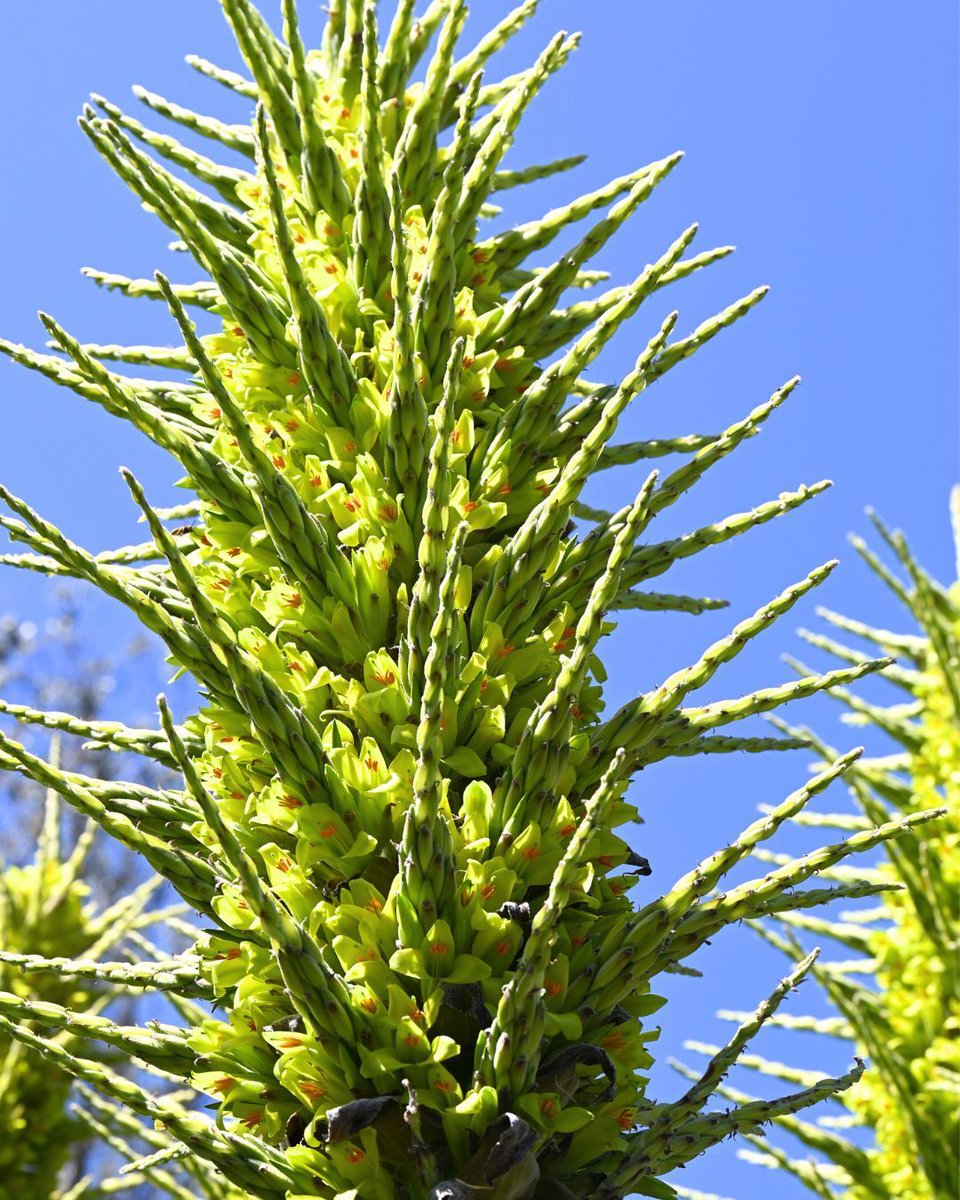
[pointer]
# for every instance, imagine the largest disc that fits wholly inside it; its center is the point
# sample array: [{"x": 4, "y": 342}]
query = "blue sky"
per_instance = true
[{"x": 821, "y": 139}]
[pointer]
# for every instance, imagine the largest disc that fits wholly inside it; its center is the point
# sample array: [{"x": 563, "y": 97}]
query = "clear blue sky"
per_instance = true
[{"x": 821, "y": 139}]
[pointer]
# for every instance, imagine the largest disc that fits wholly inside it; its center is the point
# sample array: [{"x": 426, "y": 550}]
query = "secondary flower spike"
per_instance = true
[{"x": 904, "y": 1018}]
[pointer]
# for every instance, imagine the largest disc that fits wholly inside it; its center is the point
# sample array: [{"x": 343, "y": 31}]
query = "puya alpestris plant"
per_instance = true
[
  {"x": 898, "y": 997},
  {"x": 62, "y": 949},
  {"x": 53, "y": 940},
  {"x": 62, "y": 953},
  {"x": 400, "y": 796}
]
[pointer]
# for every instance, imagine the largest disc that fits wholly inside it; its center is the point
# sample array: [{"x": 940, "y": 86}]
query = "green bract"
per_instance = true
[
  {"x": 401, "y": 794},
  {"x": 908, "y": 1022}
]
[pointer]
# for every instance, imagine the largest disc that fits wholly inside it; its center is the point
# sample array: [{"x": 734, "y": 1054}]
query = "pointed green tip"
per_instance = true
[
  {"x": 135, "y": 489},
  {"x": 51, "y": 326}
]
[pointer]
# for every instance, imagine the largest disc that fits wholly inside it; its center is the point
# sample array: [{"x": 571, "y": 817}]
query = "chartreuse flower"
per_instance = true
[
  {"x": 897, "y": 994},
  {"x": 429, "y": 940}
]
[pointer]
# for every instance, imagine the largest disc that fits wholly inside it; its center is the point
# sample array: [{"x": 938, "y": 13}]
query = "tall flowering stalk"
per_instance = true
[
  {"x": 41, "y": 909},
  {"x": 898, "y": 996},
  {"x": 400, "y": 801},
  {"x": 53, "y": 941}
]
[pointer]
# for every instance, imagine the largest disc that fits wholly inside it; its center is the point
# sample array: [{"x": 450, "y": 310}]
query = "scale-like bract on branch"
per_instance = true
[
  {"x": 401, "y": 794},
  {"x": 898, "y": 992}
]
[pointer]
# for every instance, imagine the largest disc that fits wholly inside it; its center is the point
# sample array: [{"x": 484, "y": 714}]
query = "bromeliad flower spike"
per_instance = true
[
  {"x": 53, "y": 945},
  {"x": 43, "y": 906},
  {"x": 907, "y": 1022},
  {"x": 400, "y": 794}
]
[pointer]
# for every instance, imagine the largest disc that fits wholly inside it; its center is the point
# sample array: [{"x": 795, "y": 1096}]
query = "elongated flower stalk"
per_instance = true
[
  {"x": 400, "y": 794},
  {"x": 63, "y": 961},
  {"x": 897, "y": 996},
  {"x": 47, "y": 923}
]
